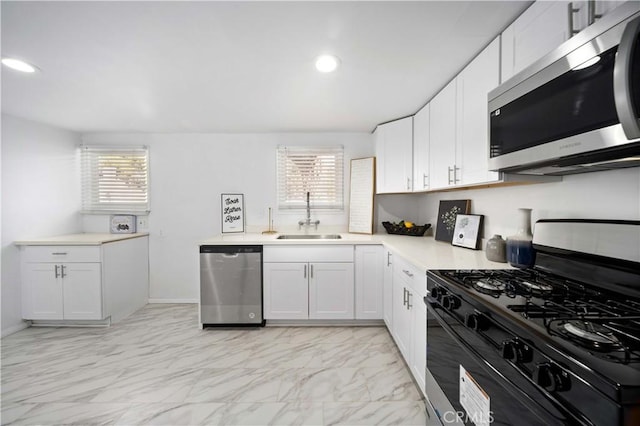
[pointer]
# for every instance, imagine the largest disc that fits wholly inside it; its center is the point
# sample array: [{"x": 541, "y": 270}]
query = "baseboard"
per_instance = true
[
  {"x": 173, "y": 301},
  {"x": 14, "y": 329},
  {"x": 324, "y": 323}
]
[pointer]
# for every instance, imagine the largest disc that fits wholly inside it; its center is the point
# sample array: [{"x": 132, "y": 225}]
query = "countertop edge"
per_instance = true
[{"x": 80, "y": 239}]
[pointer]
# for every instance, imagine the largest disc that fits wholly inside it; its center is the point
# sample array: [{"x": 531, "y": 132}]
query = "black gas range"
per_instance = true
[{"x": 555, "y": 344}]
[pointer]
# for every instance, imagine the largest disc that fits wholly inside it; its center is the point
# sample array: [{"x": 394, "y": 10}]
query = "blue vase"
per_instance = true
[{"x": 520, "y": 252}]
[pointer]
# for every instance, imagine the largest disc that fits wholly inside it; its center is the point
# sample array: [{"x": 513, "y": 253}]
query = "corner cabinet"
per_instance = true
[
  {"x": 84, "y": 282},
  {"x": 369, "y": 282},
  {"x": 394, "y": 156}
]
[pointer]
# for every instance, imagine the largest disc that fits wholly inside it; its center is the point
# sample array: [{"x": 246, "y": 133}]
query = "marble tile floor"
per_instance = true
[{"x": 157, "y": 367}]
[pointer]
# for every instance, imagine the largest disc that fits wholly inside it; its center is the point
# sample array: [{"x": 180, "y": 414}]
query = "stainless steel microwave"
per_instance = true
[{"x": 575, "y": 110}]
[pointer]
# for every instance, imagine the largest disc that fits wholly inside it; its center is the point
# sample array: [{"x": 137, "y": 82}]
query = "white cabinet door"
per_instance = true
[
  {"x": 331, "y": 291},
  {"x": 540, "y": 29},
  {"x": 388, "y": 289},
  {"x": 82, "y": 291},
  {"x": 286, "y": 290},
  {"x": 42, "y": 292},
  {"x": 442, "y": 139},
  {"x": 401, "y": 317},
  {"x": 369, "y": 282},
  {"x": 472, "y": 144},
  {"x": 419, "y": 343},
  {"x": 421, "y": 149},
  {"x": 394, "y": 152}
]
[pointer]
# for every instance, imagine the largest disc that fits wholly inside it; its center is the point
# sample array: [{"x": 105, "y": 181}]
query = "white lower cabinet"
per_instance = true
[
  {"x": 65, "y": 282},
  {"x": 419, "y": 342},
  {"x": 286, "y": 291},
  {"x": 369, "y": 282},
  {"x": 308, "y": 282},
  {"x": 409, "y": 316},
  {"x": 331, "y": 291},
  {"x": 387, "y": 288}
]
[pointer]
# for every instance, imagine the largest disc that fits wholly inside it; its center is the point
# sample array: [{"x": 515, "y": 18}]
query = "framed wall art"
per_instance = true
[
  {"x": 232, "y": 213},
  {"x": 467, "y": 231},
  {"x": 447, "y": 217}
]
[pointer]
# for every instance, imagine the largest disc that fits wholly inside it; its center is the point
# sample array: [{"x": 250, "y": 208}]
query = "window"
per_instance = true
[
  {"x": 317, "y": 170},
  {"x": 115, "y": 179}
]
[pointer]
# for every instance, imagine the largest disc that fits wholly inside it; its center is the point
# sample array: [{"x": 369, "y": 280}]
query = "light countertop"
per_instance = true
[
  {"x": 88, "y": 239},
  {"x": 423, "y": 252}
]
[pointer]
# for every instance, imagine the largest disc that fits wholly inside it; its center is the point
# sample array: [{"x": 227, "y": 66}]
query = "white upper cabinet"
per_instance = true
[
  {"x": 544, "y": 26},
  {"x": 442, "y": 139},
  {"x": 472, "y": 117},
  {"x": 421, "y": 149},
  {"x": 394, "y": 152},
  {"x": 539, "y": 30}
]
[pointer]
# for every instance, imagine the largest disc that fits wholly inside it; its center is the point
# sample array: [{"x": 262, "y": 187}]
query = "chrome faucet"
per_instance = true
[{"x": 308, "y": 221}]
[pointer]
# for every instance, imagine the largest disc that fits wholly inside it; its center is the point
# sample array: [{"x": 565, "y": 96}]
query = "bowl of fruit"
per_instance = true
[{"x": 405, "y": 227}]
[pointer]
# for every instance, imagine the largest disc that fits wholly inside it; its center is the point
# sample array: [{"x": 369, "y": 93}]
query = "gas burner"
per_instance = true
[
  {"x": 491, "y": 286},
  {"x": 536, "y": 287},
  {"x": 590, "y": 335}
]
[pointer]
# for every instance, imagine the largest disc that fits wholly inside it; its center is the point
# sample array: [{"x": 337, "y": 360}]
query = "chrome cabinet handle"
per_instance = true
[
  {"x": 57, "y": 275},
  {"x": 591, "y": 12},
  {"x": 59, "y": 253},
  {"x": 449, "y": 170},
  {"x": 571, "y": 12},
  {"x": 424, "y": 181},
  {"x": 408, "y": 184},
  {"x": 311, "y": 274},
  {"x": 305, "y": 271},
  {"x": 622, "y": 79},
  {"x": 407, "y": 273},
  {"x": 409, "y": 305},
  {"x": 404, "y": 298},
  {"x": 388, "y": 258},
  {"x": 455, "y": 174},
  {"x": 62, "y": 274}
]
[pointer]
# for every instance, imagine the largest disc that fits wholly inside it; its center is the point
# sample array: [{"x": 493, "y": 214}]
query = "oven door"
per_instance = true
[{"x": 469, "y": 383}]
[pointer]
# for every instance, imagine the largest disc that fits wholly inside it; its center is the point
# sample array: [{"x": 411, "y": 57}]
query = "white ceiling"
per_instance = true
[{"x": 159, "y": 66}]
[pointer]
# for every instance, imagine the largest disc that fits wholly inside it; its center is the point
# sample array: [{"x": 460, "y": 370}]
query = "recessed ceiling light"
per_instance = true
[
  {"x": 327, "y": 63},
  {"x": 18, "y": 65}
]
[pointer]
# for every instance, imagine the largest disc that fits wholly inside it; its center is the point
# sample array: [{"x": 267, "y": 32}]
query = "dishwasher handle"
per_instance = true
[{"x": 230, "y": 250}]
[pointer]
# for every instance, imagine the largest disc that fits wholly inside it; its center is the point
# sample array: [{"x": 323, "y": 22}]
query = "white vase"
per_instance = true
[{"x": 520, "y": 252}]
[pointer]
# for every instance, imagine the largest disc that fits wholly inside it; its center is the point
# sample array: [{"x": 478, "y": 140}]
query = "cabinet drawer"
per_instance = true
[
  {"x": 412, "y": 276},
  {"x": 62, "y": 254},
  {"x": 306, "y": 253}
]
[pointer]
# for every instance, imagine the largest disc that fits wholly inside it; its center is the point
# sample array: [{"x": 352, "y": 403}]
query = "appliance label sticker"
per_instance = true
[{"x": 474, "y": 400}]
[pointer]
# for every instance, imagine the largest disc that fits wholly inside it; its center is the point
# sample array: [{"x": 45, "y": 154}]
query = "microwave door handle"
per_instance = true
[{"x": 622, "y": 81}]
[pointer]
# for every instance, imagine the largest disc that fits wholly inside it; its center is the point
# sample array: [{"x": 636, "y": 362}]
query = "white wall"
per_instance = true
[
  {"x": 600, "y": 195},
  {"x": 40, "y": 197},
  {"x": 188, "y": 172}
]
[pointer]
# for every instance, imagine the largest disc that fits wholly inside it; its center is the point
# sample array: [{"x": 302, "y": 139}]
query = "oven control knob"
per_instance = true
[
  {"x": 516, "y": 350},
  {"x": 476, "y": 322},
  {"x": 436, "y": 292},
  {"x": 450, "y": 303},
  {"x": 551, "y": 377}
]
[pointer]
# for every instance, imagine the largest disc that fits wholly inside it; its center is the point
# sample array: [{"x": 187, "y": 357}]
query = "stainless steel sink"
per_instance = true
[{"x": 309, "y": 237}]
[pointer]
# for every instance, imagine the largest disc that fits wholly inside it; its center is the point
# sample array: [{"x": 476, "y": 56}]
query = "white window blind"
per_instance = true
[
  {"x": 317, "y": 170},
  {"x": 115, "y": 179}
]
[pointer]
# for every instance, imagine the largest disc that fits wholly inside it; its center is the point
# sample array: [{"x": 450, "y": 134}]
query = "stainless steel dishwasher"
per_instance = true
[{"x": 231, "y": 285}]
